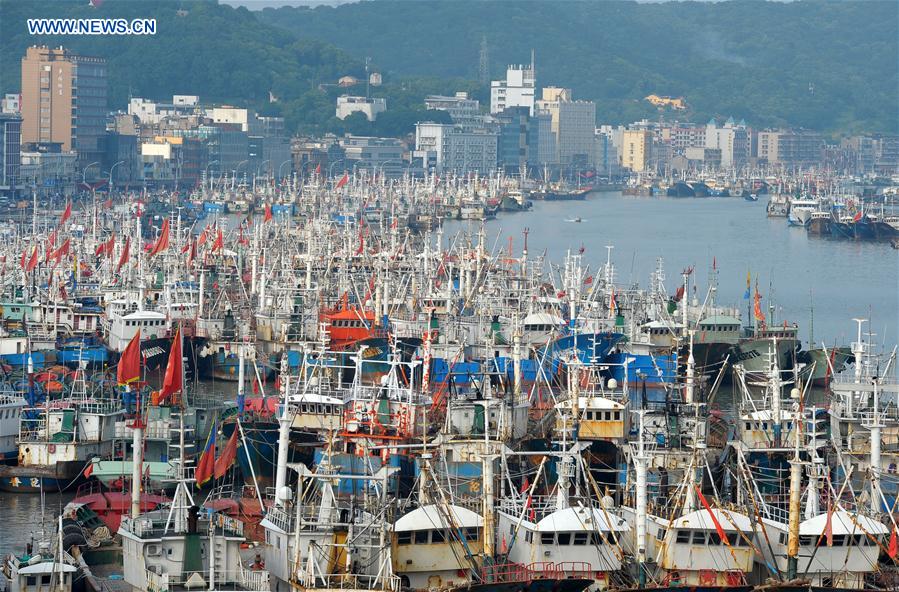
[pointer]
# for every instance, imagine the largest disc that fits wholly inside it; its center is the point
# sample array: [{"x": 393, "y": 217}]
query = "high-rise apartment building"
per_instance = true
[
  {"x": 636, "y": 149},
  {"x": 64, "y": 101}
]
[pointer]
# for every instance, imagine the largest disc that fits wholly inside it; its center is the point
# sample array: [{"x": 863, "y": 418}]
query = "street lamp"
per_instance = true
[
  {"x": 237, "y": 170},
  {"x": 84, "y": 172},
  {"x": 110, "y": 174},
  {"x": 281, "y": 166},
  {"x": 331, "y": 168}
]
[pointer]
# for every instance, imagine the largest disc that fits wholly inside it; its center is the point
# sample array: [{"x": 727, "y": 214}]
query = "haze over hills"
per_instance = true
[
  {"x": 822, "y": 65},
  {"x": 827, "y": 66}
]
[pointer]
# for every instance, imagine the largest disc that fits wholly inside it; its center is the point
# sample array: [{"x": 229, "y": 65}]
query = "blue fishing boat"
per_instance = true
[
  {"x": 88, "y": 349},
  {"x": 590, "y": 348}
]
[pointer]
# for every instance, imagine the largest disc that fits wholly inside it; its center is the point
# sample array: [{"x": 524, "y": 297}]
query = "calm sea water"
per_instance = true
[{"x": 839, "y": 280}]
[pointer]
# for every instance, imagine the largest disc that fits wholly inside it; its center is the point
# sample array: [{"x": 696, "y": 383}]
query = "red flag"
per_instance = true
[
  {"x": 708, "y": 508},
  {"x": 679, "y": 294},
  {"x": 343, "y": 181},
  {"x": 268, "y": 213},
  {"x": 24, "y": 257},
  {"x": 828, "y": 525},
  {"x": 185, "y": 248},
  {"x": 893, "y": 549},
  {"x": 224, "y": 462},
  {"x": 123, "y": 259},
  {"x": 219, "y": 242},
  {"x": 106, "y": 248},
  {"x": 89, "y": 470},
  {"x": 129, "y": 363},
  {"x": 202, "y": 239},
  {"x": 162, "y": 242},
  {"x": 51, "y": 240},
  {"x": 526, "y": 484},
  {"x": 172, "y": 383},
  {"x": 318, "y": 169},
  {"x": 32, "y": 263},
  {"x": 192, "y": 254},
  {"x": 66, "y": 214},
  {"x": 857, "y": 217},
  {"x": 206, "y": 465}
]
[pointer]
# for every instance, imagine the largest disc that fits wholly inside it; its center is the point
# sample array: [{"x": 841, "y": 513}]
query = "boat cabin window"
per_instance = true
[
  {"x": 564, "y": 538},
  {"x": 421, "y": 537},
  {"x": 698, "y": 537},
  {"x": 660, "y": 535},
  {"x": 404, "y": 538},
  {"x": 547, "y": 538},
  {"x": 683, "y": 536},
  {"x": 471, "y": 533},
  {"x": 580, "y": 538}
]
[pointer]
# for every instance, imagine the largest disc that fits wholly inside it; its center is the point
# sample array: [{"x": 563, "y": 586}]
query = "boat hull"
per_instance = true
[{"x": 33, "y": 479}]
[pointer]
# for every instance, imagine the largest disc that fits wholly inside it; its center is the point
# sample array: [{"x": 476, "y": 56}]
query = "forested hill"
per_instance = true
[
  {"x": 823, "y": 65},
  {"x": 220, "y": 53}
]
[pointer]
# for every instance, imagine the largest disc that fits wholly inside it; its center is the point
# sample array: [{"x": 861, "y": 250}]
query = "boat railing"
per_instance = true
[
  {"x": 350, "y": 581},
  {"x": 252, "y": 579},
  {"x": 226, "y": 524},
  {"x": 277, "y": 516},
  {"x": 101, "y": 406}
]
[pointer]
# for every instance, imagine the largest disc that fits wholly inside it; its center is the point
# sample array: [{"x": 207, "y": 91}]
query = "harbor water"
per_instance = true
[{"x": 813, "y": 278}]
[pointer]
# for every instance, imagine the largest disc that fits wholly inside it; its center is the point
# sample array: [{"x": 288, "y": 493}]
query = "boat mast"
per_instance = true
[{"x": 795, "y": 494}]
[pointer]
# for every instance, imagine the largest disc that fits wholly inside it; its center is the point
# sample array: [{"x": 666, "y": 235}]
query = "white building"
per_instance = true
[
  {"x": 444, "y": 147},
  {"x": 231, "y": 115},
  {"x": 12, "y": 103},
  {"x": 732, "y": 139},
  {"x": 152, "y": 112},
  {"x": 464, "y": 111},
  {"x": 368, "y": 106},
  {"x": 517, "y": 90}
]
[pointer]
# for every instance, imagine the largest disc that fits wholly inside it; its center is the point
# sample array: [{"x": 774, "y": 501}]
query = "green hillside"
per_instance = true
[
  {"x": 220, "y": 53},
  {"x": 824, "y": 65}
]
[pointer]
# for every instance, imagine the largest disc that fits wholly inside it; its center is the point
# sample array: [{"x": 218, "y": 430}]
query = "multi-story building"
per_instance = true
[
  {"x": 605, "y": 158},
  {"x": 636, "y": 149},
  {"x": 227, "y": 147},
  {"x": 790, "y": 148},
  {"x": 732, "y": 139},
  {"x": 152, "y": 112},
  {"x": 464, "y": 111},
  {"x": 368, "y": 106},
  {"x": 547, "y": 153},
  {"x": 517, "y": 139},
  {"x": 64, "y": 101},
  {"x": 517, "y": 90},
  {"x": 311, "y": 153},
  {"x": 577, "y": 128},
  {"x": 445, "y": 147},
  {"x": 376, "y": 155},
  {"x": 48, "y": 168},
  {"x": 573, "y": 124},
  {"x": 10, "y": 153}
]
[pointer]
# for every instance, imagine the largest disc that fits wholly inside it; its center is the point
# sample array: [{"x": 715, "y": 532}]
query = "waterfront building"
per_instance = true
[
  {"x": 636, "y": 149},
  {"x": 573, "y": 125},
  {"x": 64, "y": 101},
  {"x": 731, "y": 139},
  {"x": 376, "y": 155},
  {"x": 48, "y": 167},
  {"x": 790, "y": 148},
  {"x": 445, "y": 147}
]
